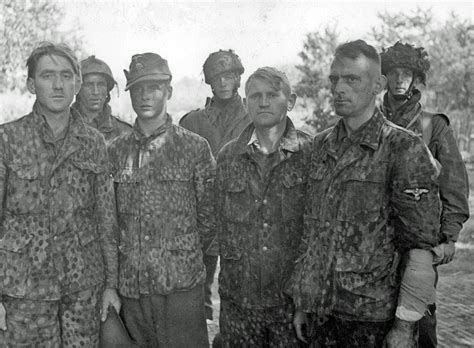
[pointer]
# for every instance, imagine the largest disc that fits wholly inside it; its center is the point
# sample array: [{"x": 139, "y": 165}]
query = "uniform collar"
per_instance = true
[
  {"x": 368, "y": 134},
  {"x": 403, "y": 115},
  {"x": 248, "y": 139},
  {"x": 103, "y": 122},
  {"x": 139, "y": 136}
]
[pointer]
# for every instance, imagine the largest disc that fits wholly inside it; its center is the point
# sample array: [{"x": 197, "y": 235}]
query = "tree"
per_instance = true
[
  {"x": 23, "y": 24},
  {"x": 313, "y": 87}
]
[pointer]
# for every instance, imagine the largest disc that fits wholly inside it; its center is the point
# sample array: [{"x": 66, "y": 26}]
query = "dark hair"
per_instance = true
[
  {"x": 48, "y": 48},
  {"x": 355, "y": 49}
]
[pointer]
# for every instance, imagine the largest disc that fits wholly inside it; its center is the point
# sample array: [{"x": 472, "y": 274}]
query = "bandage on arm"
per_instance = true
[{"x": 417, "y": 289}]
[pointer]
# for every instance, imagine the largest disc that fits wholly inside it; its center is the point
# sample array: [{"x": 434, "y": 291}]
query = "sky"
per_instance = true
[{"x": 267, "y": 33}]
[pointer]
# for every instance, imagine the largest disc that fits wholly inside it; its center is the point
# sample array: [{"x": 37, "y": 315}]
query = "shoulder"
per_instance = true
[
  {"x": 227, "y": 151},
  {"x": 321, "y": 137},
  {"x": 189, "y": 137},
  {"x": 437, "y": 118},
  {"x": 121, "y": 122},
  {"x": 191, "y": 117},
  {"x": 305, "y": 140},
  {"x": 119, "y": 142},
  {"x": 17, "y": 123}
]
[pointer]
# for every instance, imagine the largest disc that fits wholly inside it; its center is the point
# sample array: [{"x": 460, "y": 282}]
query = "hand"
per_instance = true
[
  {"x": 3, "y": 318},
  {"x": 449, "y": 250},
  {"x": 300, "y": 322},
  {"x": 109, "y": 298},
  {"x": 401, "y": 335}
]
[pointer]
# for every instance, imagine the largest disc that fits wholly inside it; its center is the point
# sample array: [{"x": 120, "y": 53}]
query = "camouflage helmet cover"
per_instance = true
[
  {"x": 406, "y": 56},
  {"x": 93, "y": 65},
  {"x": 220, "y": 62}
]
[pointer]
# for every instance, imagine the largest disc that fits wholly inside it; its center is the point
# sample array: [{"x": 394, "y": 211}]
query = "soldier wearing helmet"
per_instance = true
[
  {"x": 222, "y": 119},
  {"x": 93, "y": 99},
  {"x": 405, "y": 67}
]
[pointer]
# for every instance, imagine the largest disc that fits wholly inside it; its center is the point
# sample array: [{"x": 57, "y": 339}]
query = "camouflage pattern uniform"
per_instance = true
[
  {"x": 219, "y": 122},
  {"x": 57, "y": 237},
  {"x": 260, "y": 220},
  {"x": 109, "y": 125},
  {"x": 370, "y": 197},
  {"x": 435, "y": 130},
  {"x": 164, "y": 192}
]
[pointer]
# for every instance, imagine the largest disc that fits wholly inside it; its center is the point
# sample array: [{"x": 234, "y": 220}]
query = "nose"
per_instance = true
[
  {"x": 264, "y": 102},
  {"x": 95, "y": 89},
  {"x": 58, "y": 82},
  {"x": 338, "y": 87}
]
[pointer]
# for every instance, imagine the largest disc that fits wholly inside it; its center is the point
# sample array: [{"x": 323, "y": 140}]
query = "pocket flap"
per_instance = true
[
  {"x": 362, "y": 262},
  {"x": 292, "y": 179},
  {"x": 89, "y": 166},
  {"x": 172, "y": 173},
  {"x": 230, "y": 251},
  {"x": 13, "y": 240},
  {"x": 87, "y": 233},
  {"x": 235, "y": 185},
  {"x": 25, "y": 171}
]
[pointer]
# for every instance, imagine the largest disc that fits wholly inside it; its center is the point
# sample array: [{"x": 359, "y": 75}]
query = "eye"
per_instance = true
[
  {"x": 67, "y": 76},
  {"x": 333, "y": 80}
]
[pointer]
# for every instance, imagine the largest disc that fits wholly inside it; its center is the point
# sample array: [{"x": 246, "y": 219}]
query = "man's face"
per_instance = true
[
  {"x": 224, "y": 85},
  {"x": 150, "y": 98},
  {"x": 267, "y": 106},
  {"x": 54, "y": 84},
  {"x": 93, "y": 92},
  {"x": 399, "y": 80},
  {"x": 353, "y": 85}
]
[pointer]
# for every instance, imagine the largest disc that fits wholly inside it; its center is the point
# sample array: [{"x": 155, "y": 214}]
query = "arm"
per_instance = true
[
  {"x": 453, "y": 180},
  {"x": 3, "y": 181},
  {"x": 204, "y": 176},
  {"x": 107, "y": 227}
]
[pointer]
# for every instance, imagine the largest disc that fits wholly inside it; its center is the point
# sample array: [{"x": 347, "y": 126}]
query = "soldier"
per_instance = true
[
  {"x": 58, "y": 245},
  {"x": 93, "y": 99},
  {"x": 260, "y": 185},
  {"x": 223, "y": 118},
  {"x": 164, "y": 180},
  {"x": 405, "y": 67},
  {"x": 371, "y": 196}
]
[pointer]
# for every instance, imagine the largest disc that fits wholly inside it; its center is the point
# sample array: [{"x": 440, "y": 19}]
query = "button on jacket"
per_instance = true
[
  {"x": 453, "y": 179},
  {"x": 164, "y": 191},
  {"x": 370, "y": 197},
  {"x": 260, "y": 218},
  {"x": 58, "y": 221}
]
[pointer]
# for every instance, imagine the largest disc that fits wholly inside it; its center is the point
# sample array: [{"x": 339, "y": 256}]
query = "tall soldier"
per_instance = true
[
  {"x": 93, "y": 99},
  {"x": 372, "y": 196},
  {"x": 405, "y": 67},
  {"x": 223, "y": 119},
  {"x": 164, "y": 183},
  {"x": 260, "y": 188},
  {"x": 58, "y": 245}
]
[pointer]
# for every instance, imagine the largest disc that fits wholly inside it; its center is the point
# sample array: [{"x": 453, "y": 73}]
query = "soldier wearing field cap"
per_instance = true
[
  {"x": 164, "y": 178},
  {"x": 222, "y": 119},
  {"x": 93, "y": 99}
]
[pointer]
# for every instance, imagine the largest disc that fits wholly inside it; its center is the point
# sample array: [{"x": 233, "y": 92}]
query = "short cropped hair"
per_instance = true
[
  {"x": 355, "y": 49},
  {"x": 276, "y": 78},
  {"x": 48, "y": 48}
]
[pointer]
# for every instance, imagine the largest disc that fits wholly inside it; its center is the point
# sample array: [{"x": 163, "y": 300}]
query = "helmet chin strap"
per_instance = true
[{"x": 408, "y": 94}]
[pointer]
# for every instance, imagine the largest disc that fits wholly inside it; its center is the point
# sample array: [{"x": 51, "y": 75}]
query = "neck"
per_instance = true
[
  {"x": 150, "y": 125},
  {"x": 269, "y": 138},
  {"x": 354, "y": 123},
  {"x": 395, "y": 104},
  {"x": 90, "y": 115},
  {"x": 57, "y": 121}
]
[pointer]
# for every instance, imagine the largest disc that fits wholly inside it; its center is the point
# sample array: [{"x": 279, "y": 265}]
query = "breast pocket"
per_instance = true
[
  {"x": 293, "y": 195},
  {"x": 126, "y": 182},
  {"x": 24, "y": 188},
  {"x": 237, "y": 201},
  {"x": 364, "y": 192}
]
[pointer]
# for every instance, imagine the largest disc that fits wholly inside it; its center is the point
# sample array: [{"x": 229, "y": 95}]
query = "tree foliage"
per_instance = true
[
  {"x": 449, "y": 82},
  {"x": 23, "y": 24}
]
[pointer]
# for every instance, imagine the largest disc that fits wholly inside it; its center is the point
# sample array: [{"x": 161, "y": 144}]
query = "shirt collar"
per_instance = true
[{"x": 140, "y": 136}]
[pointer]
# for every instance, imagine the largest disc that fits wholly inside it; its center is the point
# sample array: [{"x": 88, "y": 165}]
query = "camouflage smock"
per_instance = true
[
  {"x": 58, "y": 220},
  {"x": 164, "y": 191},
  {"x": 362, "y": 209},
  {"x": 453, "y": 179},
  {"x": 219, "y": 122},
  {"x": 260, "y": 218},
  {"x": 110, "y": 126}
]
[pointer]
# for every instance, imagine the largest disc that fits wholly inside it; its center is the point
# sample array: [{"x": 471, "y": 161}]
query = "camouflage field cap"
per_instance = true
[
  {"x": 220, "y": 62},
  {"x": 93, "y": 65},
  {"x": 147, "y": 67},
  {"x": 406, "y": 56}
]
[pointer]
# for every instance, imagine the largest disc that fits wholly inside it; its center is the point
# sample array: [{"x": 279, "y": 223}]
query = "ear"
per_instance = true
[
  {"x": 380, "y": 84},
  {"x": 291, "y": 102},
  {"x": 170, "y": 91},
  {"x": 30, "y": 85},
  {"x": 417, "y": 80}
]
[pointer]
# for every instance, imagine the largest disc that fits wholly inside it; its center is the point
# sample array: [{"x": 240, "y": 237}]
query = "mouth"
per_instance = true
[
  {"x": 58, "y": 97},
  {"x": 145, "y": 107},
  {"x": 341, "y": 101}
]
